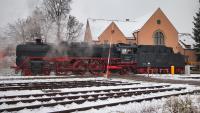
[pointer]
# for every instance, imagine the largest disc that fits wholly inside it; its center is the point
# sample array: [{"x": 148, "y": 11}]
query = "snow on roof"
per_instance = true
[
  {"x": 186, "y": 41},
  {"x": 97, "y": 27},
  {"x": 139, "y": 22},
  {"x": 128, "y": 27}
]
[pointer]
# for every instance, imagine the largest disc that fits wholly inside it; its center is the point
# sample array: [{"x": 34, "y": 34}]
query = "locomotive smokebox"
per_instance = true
[{"x": 38, "y": 41}]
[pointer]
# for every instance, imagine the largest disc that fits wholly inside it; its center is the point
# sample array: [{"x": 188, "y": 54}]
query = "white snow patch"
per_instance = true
[
  {"x": 186, "y": 41},
  {"x": 174, "y": 77}
]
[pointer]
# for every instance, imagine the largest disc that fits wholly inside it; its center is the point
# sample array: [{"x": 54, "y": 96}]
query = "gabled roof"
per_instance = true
[
  {"x": 97, "y": 27},
  {"x": 139, "y": 22},
  {"x": 186, "y": 41},
  {"x": 127, "y": 27}
]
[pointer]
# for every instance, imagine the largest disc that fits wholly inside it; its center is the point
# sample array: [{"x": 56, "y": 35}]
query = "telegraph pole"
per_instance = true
[{"x": 109, "y": 54}]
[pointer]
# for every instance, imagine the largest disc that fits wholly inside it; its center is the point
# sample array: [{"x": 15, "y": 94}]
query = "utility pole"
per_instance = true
[{"x": 109, "y": 54}]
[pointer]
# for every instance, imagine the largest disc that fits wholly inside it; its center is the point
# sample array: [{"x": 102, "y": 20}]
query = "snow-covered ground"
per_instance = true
[
  {"x": 8, "y": 76},
  {"x": 127, "y": 108},
  {"x": 154, "y": 106},
  {"x": 6, "y": 72},
  {"x": 175, "y": 76}
]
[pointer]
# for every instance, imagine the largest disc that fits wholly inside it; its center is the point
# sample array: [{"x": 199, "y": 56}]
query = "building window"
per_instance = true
[
  {"x": 158, "y": 21},
  {"x": 159, "y": 38}
]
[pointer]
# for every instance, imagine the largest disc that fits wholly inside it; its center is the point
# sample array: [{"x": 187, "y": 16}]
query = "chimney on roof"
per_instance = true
[{"x": 127, "y": 19}]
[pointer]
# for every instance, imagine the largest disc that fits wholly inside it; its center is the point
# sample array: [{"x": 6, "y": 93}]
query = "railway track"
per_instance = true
[
  {"x": 83, "y": 92},
  {"x": 80, "y": 99},
  {"x": 124, "y": 102},
  {"x": 55, "y": 82},
  {"x": 96, "y": 96},
  {"x": 45, "y": 77},
  {"x": 190, "y": 78},
  {"x": 57, "y": 85}
]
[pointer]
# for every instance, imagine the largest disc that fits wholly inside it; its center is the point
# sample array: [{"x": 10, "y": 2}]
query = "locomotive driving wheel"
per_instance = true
[
  {"x": 61, "y": 68},
  {"x": 97, "y": 68},
  {"x": 46, "y": 69},
  {"x": 79, "y": 68},
  {"x": 124, "y": 71},
  {"x": 26, "y": 71}
]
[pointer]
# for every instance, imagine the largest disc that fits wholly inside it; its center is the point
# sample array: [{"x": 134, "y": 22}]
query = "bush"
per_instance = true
[
  {"x": 150, "y": 109},
  {"x": 179, "y": 105}
]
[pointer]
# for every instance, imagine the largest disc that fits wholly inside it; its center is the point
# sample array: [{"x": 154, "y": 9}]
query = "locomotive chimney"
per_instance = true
[
  {"x": 127, "y": 20},
  {"x": 38, "y": 41}
]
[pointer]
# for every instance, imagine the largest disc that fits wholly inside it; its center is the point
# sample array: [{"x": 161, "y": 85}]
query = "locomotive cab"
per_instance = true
[{"x": 127, "y": 52}]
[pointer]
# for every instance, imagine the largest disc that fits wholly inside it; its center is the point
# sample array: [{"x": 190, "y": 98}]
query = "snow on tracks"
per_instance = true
[{"x": 87, "y": 93}]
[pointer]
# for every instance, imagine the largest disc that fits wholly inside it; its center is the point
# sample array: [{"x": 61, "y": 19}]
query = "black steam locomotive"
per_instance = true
[{"x": 79, "y": 58}]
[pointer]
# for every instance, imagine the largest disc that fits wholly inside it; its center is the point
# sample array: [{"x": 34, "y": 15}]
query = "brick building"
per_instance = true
[{"x": 152, "y": 29}]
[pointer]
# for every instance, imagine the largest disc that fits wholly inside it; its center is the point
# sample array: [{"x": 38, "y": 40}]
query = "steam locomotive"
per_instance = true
[{"x": 38, "y": 58}]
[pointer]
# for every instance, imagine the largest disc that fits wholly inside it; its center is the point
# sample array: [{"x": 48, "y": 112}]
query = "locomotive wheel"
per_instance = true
[
  {"x": 58, "y": 72},
  {"x": 46, "y": 69},
  {"x": 26, "y": 72},
  {"x": 46, "y": 72},
  {"x": 79, "y": 68},
  {"x": 124, "y": 71},
  {"x": 96, "y": 68},
  {"x": 61, "y": 68}
]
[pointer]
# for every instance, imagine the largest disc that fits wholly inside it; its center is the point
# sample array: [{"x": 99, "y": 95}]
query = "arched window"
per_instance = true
[{"x": 159, "y": 38}]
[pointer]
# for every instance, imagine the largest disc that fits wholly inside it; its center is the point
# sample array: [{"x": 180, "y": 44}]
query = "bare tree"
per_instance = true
[
  {"x": 16, "y": 30},
  {"x": 73, "y": 29},
  {"x": 35, "y": 26},
  {"x": 40, "y": 23},
  {"x": 57, "y": 10},
  {"x": 24, "y": 30},
  {"x": 54, "y": 17}
]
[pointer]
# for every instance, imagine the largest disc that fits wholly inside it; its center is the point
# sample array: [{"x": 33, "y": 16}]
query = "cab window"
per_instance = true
[{"x": 125, "y": 51}]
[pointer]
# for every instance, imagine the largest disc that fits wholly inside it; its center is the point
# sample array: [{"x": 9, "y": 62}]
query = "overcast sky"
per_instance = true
[{"x": 180, "y": 12}]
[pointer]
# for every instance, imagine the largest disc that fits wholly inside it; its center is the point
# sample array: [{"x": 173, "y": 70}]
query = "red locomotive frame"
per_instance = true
[
  {"x": 79, "y": 66},
  {"x": 76, "y": 65}
]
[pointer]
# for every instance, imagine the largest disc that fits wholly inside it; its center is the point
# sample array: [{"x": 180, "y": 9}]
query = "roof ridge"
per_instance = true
[{"x": 112, "y": 20}]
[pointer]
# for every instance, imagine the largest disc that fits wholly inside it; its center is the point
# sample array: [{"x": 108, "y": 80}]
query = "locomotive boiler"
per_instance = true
[{"x": 77, "y": 58}]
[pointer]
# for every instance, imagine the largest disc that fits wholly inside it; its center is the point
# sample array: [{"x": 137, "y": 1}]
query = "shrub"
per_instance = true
[{"x": 179, "y": 105}]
